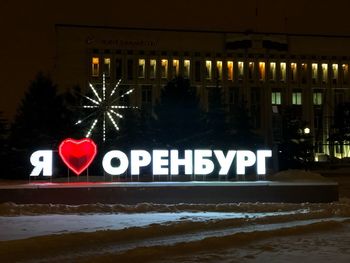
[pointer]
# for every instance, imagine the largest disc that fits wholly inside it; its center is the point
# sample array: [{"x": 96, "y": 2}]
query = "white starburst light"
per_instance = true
[{"x": 104, "y": 108}]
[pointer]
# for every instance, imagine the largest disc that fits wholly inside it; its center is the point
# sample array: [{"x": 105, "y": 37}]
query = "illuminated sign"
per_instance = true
[{"x": 79, "y": 154}]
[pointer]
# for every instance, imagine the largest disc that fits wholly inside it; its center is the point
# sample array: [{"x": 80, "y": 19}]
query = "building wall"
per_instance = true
[{"x": 309, "y": 73}]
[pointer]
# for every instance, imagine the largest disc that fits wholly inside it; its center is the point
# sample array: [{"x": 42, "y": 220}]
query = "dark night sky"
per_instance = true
[{"x": 28, "y": 39}]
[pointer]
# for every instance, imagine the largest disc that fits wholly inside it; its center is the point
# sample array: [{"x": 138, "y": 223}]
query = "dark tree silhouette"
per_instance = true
[
  {"x": 42, "y": 118},
  {"x": 42, "y": 121},
  {"x": 178, "y": 117}
]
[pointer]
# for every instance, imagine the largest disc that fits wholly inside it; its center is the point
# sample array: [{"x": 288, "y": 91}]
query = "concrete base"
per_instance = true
[{"x": 170, "y": 192}]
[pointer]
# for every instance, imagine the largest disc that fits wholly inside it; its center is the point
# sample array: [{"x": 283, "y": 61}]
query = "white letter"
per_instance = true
[
  {"x": 159, "y": 162},
  {"x": 139, "y": 158},
  {"x": 261, "y": 162},
  {"x": 244, "y": 159},
  {"x": 107, "y": 159},
  {"x": 201, "y": 165},
  {"x": 225, "y": 162},
  {"x": 176, "y": 162},
  {"x": 42, "y": 161}
]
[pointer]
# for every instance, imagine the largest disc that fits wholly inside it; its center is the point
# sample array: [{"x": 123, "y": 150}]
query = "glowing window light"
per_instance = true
[
  {"x": 272, "y": 71},
  {"x": 219, "y": 69},
  {"x": 95, "y": 67},
  {"x": 230, "y": 70},
  {"x": 240, "y": 69},
  {"x": 153, "y": 68},
  {"x": 175, "y": 71},
  {"x": 187, "y": 68},
  {"x": 208, "y": 70},
  {"x": 141, "y": 68},
  {"x": 164, "y": 69},
  {"x": 283, "y": 71}
]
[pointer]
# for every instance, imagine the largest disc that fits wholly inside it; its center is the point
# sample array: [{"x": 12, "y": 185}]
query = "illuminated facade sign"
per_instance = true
[{"x": 79, "y": 154}]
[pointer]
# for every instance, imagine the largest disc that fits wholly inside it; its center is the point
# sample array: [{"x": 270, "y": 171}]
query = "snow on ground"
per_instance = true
[{"x": 235, "y": 232}]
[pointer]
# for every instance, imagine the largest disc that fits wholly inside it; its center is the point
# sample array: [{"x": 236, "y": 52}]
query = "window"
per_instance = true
[
  {"x": 152, "y": 68},
  {"x": 118, "y": 68},
  {"x": 197, "y": 70},
  {"x": 303, "y": 73},
  {"x": 230, "y": 70},
  {"x": 296, "y": 98},
  {"x": 141, "y": 69},
  {"x": 293, "y": 71},
  {"x": 276, "y": 98},
  {"x": 240, "y": 70},
  {"x": 107, "y": 67},
  {"x": 130, "y": 69},
  {"x": 261, "y": 71},
  {"x": 95, "y": 67},
  {"x": 317, "y": 98},
  {"x": 208, "y": 69},
  {"x": 251, "y": 70},
  {"x": 324, "y": 73},
  {"x": 219, "y": 69},
  {"x": 187, "y": 68},
  {"x": 345, "y": 73},
  {"x": 314, "y": 72},
  {"x": 146, "y": 95},
  {"x": 334, "y": 73},
  {"x": 175, "y": 71},
  {"x": 272, "y": 71},
  {"x": 282, "y": 71},
  {"x": 233, "y": 96},
  {"x": 164, "y": 69}
]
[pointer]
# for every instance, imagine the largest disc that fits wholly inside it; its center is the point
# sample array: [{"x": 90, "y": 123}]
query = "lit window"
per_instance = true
[
  {"x": 164, "y": 69},
  {"x": 141, "y": 69},
  {"x": 107, "y": 66},
  {"x": 261, "y": 71},
  {"x": 230, "y": 70},
  {"x": 176, "y": 64},
  {"x": 276, "y": 98},
  {"x": 335, "y": 73},
  {"x": 293, "y": 71},
  {"x": 317, "y": 98},
  {"x": 345, "y": 73},
  {"x": 208, "y": 69},
  {"x": 314, "y": 72},
  {"x": 324, "y": 73},
  {"x": 152, "y": 68},
  {"x": 283, "y": 71},
  {"x": 240, "y": 70},
  {"x": 303, "y": 73},
  {"x": 251, "y": 70},
  {"x": 219, "y": 69},
  {"x": 272, "y": 74},
  {"x": 95, "y": 67},
  {"x": 296, "y": 98},
  {"x": 187, "y": 68}
]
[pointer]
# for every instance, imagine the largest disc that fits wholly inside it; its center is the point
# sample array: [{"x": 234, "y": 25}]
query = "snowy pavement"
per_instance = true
[
  {"x": 146, "y": 232},
  {"x": 166, "y": 233}
]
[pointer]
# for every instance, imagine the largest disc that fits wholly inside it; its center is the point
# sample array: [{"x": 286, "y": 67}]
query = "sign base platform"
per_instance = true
[{"x": 196, "y": 192}]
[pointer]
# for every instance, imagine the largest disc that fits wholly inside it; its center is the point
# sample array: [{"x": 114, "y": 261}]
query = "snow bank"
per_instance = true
[{"x": 12, "y": 209}]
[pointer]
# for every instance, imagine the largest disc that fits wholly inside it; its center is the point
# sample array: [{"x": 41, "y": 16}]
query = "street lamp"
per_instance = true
[{"x": 306, "y": 130}]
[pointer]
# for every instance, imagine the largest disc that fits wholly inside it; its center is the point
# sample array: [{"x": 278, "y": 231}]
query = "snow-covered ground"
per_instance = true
[{"x": 235, "y": 232}]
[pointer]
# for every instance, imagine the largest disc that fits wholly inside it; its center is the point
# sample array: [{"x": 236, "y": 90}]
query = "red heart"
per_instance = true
[{"x": 77, "y": 154}]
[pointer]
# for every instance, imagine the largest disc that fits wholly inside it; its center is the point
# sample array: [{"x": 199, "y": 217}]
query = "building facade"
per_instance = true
[{"x": 308, "y": 74}]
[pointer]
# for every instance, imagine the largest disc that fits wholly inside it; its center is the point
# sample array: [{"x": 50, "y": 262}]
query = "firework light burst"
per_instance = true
[{"x": 104, "y": 108}]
